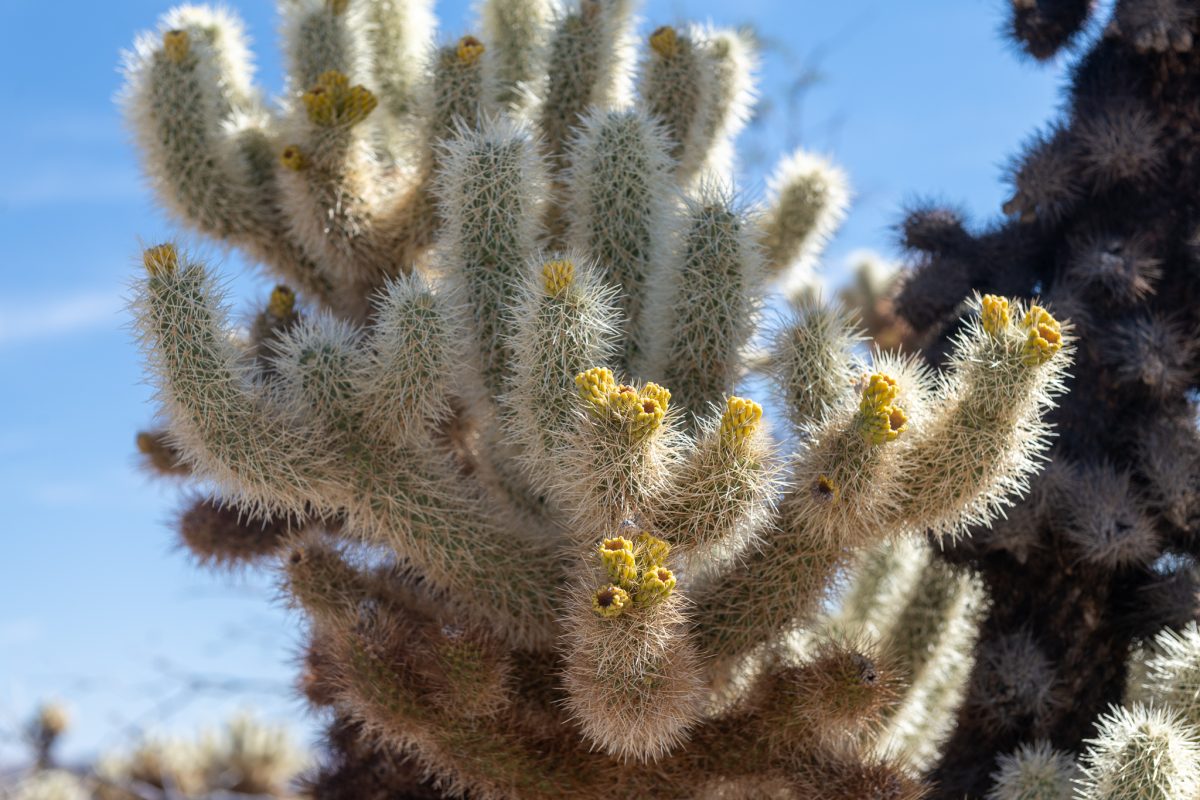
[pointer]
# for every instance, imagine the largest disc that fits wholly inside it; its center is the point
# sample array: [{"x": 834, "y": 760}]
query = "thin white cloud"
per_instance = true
[{"x": 23, "y": 322}]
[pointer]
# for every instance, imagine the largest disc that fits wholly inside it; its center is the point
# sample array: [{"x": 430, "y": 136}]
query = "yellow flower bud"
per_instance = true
[
  {"x": 557, "y": 276},
  {"x": 610, "y": 601},
  {"x": 659, "y": 394},
  {"x": 333, "y": 101},
  {"x": 995, "y": 315},
  {"x": 665, "y": 41},
  {"x": 650, "y": 550},
  {"x": 469, "y": 50},
  {"x": 162, "y": 259},
  {"x": 282, "y": 302},
  {"x": 617, "y": 556},
  {"x": 594, "y": 386},
  {"x": 176, "y": 45},
  {"x": 656, "y": 586},
  {"x": 880, "y": 419},
  {"x": 1043, "y": 336},
  {"x": 740, "y": 421},
  {"x": 339, "y": 6},
  {"x": 648, "y": 416}
]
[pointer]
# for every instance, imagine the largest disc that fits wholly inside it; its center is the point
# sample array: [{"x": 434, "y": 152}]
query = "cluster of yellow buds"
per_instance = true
[
  {"x": 162, "y": 259},
  {"x": 636, "y": 571},
  {"x": 642, "y": 409},
  {"x": 1043, "y": 336},
  {"x": 739, "y": 421},
  {"x": 619, "y": 562},
  {"x": 557, "y": 276},
  {"x": 665, "y": 41},
  {"x": 176, "y": 45},
  {"x": 995, "y": 314},
  {"x": 881, "y": 419},
  {"x": 469, "y": 50},
  {"x": 333, "y": 101},
  {"x": 610, "y": 601}
]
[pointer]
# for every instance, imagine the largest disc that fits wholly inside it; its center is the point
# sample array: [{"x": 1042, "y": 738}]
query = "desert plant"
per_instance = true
[
  {"x": 543, "y": 548},
  {"x": 1102, "y": 224}
]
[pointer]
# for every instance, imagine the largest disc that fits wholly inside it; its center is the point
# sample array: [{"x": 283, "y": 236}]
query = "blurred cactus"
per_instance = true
[
  {"x": 1101, "y": 226},
  {"x": 545, "y": 548},
  {"x": 244, "y": 758}
]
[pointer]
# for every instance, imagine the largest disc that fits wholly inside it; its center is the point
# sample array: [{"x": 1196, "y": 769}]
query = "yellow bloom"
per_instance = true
[
  {"x": 665, "y": 41},
  {"x": 161, "y": 259},
  {"x": 557, "y": 276},
  {"x": 656, "y": 586},
  {"x": 995, "y": 314},
  {"x": 610, "y": 601},
  {"x": 469, "y": 50},
  {"x": 739, "y": 421},
  {"x": 1043, "y": 336},
  {"x": 282, "y": 302},
  {"x": 176, "y": 45},
  {"x": 333, "y": 101},
  {"x": 647, "y": 416},
  {"x": 650, "y": 550},
  {"x": 617, "y": 556},
  {"x": 659, "y": 394},
  {"x": 880, "y": 419},
  {"x": 594, "y": 386}
]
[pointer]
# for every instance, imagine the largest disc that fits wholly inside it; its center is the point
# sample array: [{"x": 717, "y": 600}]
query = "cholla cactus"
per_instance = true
[
  {"x": 545, "y": 548},
  {"x": 1101, "y": 225},
  {"x": 1147, "y": 749}
]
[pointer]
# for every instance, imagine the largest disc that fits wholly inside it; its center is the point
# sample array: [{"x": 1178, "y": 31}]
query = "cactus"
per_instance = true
[
  {"x": 1099, "y": 226},
  {"x": 543, "y": 546}
]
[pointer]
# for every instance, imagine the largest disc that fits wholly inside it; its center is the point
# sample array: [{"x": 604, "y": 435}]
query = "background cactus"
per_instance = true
[
  {"x": 543, "y": 547},
  {"x": 1101, "y": 224}
]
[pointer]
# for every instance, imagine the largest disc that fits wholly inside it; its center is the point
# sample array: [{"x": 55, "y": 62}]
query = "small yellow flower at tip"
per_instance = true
[
  {"x": 557, "y": 276},
  {"x": 665, "y": 42},
  {"x": 881, "y": 420},
  {"x": 656, "y": 586},
  {"x": 739, "y": 421},
  {"x": 610, "y": 601},
  {"x": 469, "y": 50},
  {"x": 594, "y": 386},
  {"x": 824, "y": 490},
  {"x": 339, "y": 6},
  {"x": 648, "y": 416},
  {"x": 176, "y": 45},
  {"x": 617, "y": 556},
  {"x": 162, "y": 259},
  {"x": 333, "y": 101},
  {"x": 659, "y": 394},
  {"x": 651, "y": 550},
  {"x": 1043, "y": 336},
  {"x": 293, "y": 158},
  {"x": 282, "y": 302},
  {"x": 995, "y": 314}
]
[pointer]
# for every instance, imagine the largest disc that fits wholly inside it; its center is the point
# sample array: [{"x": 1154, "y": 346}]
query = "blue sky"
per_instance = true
[{"x": 917, "y": 99}]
